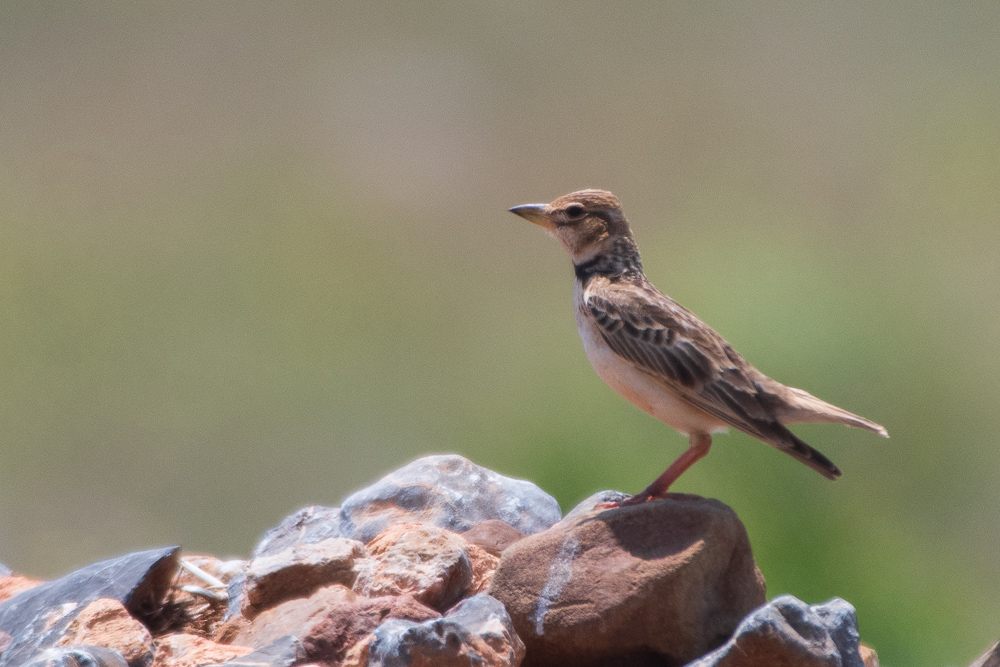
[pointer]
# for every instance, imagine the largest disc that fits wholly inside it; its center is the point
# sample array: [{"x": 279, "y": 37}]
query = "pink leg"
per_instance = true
[{"x": 699, "y": 444}]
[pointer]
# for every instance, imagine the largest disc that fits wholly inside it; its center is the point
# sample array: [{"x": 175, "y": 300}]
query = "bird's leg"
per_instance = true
[{"x": 698, "y": 448}]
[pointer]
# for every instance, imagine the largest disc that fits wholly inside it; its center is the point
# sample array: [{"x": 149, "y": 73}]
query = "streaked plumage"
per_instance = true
[{"x": 660, "y": 356}]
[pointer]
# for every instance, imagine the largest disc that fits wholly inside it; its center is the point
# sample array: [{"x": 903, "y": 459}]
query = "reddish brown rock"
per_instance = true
[
  {"x": 193, "y": 651},
  {"x": 13, "y": 584},
  {"x": 298, "y": 571},
  {"x": 484, "y": 568},
  {"x": 659, "y": 583},
  {"x": 869, "y": 656},
  {"x": 329, "y": 622},
  {"x": 428, "y": 562},
  {"x": 106, "y": 622},
  {"x": 494, "y": 536}
]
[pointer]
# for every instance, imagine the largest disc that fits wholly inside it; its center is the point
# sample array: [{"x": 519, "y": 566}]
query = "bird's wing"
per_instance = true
[{"x": 669, "y": 343}]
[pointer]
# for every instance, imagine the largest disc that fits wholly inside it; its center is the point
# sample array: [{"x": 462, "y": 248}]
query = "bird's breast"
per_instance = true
[{"x": 638, "y": 387}]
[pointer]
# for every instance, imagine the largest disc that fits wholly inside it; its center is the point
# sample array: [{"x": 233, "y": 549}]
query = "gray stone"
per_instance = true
[
  {"x": 476, "y": 632},
  {"x": 78, "y": 656},
  {"x": 448, "y": 491},
  {"x": 787, "y": 632},
  {"x": 989, "y": 659},
  {"x": 5, "y": 571},
  {"x": 307, "y": 526},
  {"x": 37, "y": 618}
]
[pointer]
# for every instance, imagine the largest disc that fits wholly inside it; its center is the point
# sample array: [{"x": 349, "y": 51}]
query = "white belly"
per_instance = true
[{"x": 638, "y": 388}]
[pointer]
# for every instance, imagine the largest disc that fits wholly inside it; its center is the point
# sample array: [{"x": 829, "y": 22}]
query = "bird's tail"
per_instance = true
[{"x": 804, "y": 408}]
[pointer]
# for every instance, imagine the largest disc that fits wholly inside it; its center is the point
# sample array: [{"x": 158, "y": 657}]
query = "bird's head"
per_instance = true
[{"x": 586, "y": 222}]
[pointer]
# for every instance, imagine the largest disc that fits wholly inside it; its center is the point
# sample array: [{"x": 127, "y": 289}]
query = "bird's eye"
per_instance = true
[{"x": 574, "y": 211}]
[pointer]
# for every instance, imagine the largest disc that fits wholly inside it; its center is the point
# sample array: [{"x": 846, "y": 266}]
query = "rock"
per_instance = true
[
  {"x": 477, "y": 632},
  {"x": 787, "y": 632},
  {"x": 484, "y": 568},
  {"x": 328, "y": 622},
  {"x": 492, "y": 535},
  {"x": 5, "y": 571},
  {"x": 13, "y": 584},
  {"x": 38, "y": 617},
  {"x": 989, "y": 659},
  {"x": 106, "y": 622},
  {"x": 193, "y": 651},
  {"x": 659, "y": 583},
  {"x": 307, "y": 526},
  {"x": 298, "y": 571},
  {"x": 450, "y": 492},
  {"x": 284, "y": 652},
  {"x": 78, "y": 656},
  {"x": 870, "y": 657},
  {"x": 428, "y": 562}
]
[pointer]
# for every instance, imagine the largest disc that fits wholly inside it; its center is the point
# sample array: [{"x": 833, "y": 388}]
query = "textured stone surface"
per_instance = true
[
  {"x": 870, "y": 657},
  {"x": 13, "y": 584},
  {"x": 989, "y": 659},
  {"x": 477, "y": 632},
  {"x": 78, "y": 656},
  {"x": 428, "y": 562},
  {"x": 37, "y": 618},
  {"x": 328, "y": 622},
  {"x": 448, "y": 491},
  {"x": 286, "y": 651},
  {"x": 299, "y": 570},
  {"x": 659, "y": 583},
  {"x": 484, "y": 568},
  {"x": 193, "y": 651},
  {"x": 307, "y": 526},
  {"x": 787, "y": 632},
  {"x": 106, "y": 622},
  {"x": 493, "y": 535}
]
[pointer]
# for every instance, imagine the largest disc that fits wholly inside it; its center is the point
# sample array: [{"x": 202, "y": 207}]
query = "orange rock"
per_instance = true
[
  {"x": 13, "y": 584},
  {"x": 106, "y": 622},
  {"x": 869, "y": 656},
  {"x": 193, "y": 651},
  {"x": 428, "y": 562}
]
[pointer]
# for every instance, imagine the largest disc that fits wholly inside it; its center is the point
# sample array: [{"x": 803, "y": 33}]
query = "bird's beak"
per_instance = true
[{"x": 536, "y": 213}]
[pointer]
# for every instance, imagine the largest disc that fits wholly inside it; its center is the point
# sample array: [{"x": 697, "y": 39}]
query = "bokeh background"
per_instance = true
[{"x": 254, "y": 255}]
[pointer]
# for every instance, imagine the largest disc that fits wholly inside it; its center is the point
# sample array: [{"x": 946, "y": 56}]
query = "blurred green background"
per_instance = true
[{"x": 254, "y": 255}]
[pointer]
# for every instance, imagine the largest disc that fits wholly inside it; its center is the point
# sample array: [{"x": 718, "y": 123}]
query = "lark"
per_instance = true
[{"x": 663, "y": 359}]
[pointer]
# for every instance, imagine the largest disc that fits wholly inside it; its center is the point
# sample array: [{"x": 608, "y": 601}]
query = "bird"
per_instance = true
[{"x": 661, "y": 357}]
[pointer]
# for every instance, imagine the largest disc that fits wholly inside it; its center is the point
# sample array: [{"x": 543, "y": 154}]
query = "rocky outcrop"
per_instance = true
[{"x": 439, "y": 564}]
